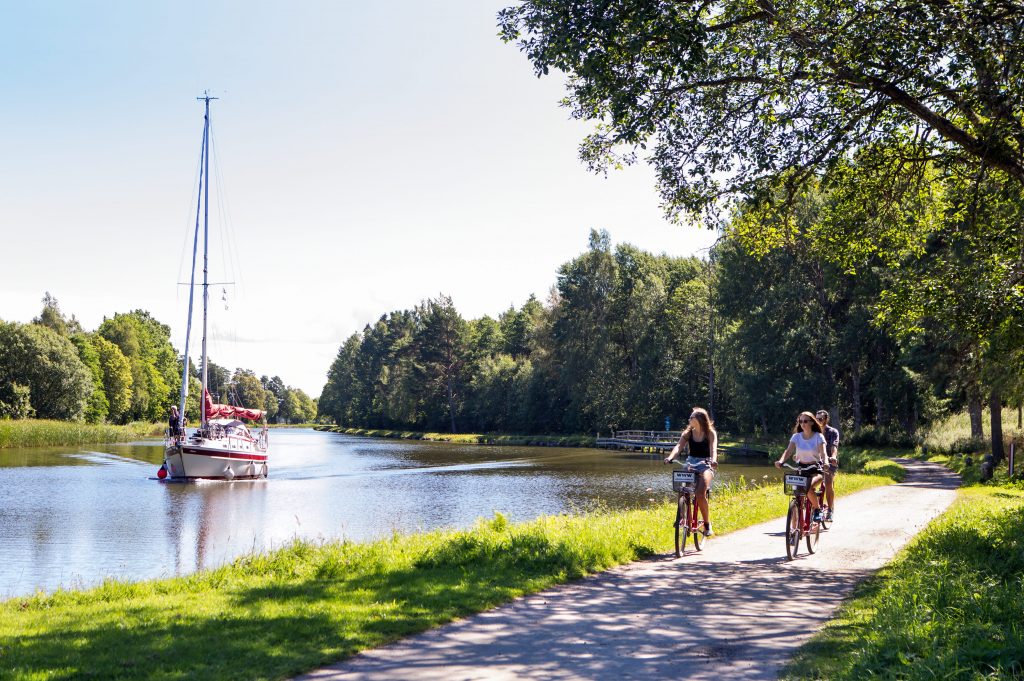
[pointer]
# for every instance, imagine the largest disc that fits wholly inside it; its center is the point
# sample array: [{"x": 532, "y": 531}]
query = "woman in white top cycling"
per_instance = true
[{"x": 808, "y": 449}]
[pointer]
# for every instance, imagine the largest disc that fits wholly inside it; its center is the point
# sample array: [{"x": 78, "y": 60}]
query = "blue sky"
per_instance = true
[{"x": 370, "y": 155}]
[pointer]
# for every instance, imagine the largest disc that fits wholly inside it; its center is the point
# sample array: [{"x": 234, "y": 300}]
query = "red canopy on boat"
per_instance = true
[{"x": 226, "y": 411}]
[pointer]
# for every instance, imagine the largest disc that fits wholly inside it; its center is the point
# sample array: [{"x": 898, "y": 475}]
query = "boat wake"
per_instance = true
[{"x": 107, "y": 459}]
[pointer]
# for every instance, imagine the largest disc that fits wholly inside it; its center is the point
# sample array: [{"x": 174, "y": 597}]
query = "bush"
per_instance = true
[{"x": 875, "y": 436}]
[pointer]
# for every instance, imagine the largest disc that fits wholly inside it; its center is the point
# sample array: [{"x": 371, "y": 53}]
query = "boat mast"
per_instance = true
[
  {"x": 192, "y": 294},
  {"x": 206, "y": 243}
]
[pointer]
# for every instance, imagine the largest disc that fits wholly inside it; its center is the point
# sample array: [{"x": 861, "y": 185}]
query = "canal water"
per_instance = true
[{"x": 72, "y": 517}]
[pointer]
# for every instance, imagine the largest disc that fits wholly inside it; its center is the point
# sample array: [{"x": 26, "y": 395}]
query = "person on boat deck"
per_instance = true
[{"x": 175, "y": 422}]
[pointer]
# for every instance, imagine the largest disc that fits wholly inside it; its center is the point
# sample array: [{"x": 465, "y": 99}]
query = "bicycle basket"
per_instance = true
[
  {"x": 682, "y": 480},
  {"x": 791, "y": 484}
]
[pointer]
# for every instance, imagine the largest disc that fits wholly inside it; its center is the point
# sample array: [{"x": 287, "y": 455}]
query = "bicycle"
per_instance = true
[
  {"x": 800, "y": 523},
  {"x": 684, "y": 482}
]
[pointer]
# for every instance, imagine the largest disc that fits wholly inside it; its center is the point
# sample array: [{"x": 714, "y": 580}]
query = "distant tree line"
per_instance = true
[
  {"x": 124, "y": 371},
  {"x": 628, "y": 338}
]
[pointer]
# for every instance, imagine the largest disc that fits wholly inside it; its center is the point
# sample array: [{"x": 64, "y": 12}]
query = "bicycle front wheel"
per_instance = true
[
  {"x": 792, "y": 530},
  {"x": 682, "y": 524},
  {"x": 685, "y": 522}
]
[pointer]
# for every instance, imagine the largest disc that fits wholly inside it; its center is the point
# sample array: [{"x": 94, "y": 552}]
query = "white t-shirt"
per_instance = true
[{"x": 807, "y": 449}]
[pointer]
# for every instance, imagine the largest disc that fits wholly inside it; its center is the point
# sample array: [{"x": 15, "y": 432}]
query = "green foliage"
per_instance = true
[
  {"x": 732, "y": 96},
  {"x": 247, "y": 390},
  {"x": 297, "y": 407},
  {"x": 16, "y": 402},
  {"x": 145, "y": 344},
  {"x": 882, "y": 139},
  {"x": 949, "y": 607},
  {"x": 47, "y": 364},
  {"x": 52, "y": 318},
  {"x": 98, "y": 405},
  {"x": 625, "y": 342}
]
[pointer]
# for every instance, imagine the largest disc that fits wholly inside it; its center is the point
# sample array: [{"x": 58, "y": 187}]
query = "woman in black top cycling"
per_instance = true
[{"x": 700, "y": 441}]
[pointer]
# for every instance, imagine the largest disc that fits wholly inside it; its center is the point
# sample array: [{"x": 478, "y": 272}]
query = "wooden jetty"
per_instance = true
[
  {"x": 640, "y": 440},
  {"x": 663, "y": 441}
]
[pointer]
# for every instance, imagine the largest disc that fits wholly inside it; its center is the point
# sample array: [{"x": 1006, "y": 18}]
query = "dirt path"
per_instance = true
[{"x": 736, "y": 611}]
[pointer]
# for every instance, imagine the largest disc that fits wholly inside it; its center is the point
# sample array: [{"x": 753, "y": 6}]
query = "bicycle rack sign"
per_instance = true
[
  {"x": 791, "y": 482},
  {"x": 681, "y": 480}
]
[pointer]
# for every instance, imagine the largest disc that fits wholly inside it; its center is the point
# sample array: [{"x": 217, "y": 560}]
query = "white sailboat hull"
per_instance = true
[{"x": 226, "y": 457}]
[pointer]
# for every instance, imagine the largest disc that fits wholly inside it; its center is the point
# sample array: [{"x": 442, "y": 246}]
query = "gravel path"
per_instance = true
[{"x": 735, "y": 611}]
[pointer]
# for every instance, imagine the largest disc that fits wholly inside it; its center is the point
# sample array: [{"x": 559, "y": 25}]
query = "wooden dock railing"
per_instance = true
[{"x": 664, "y": 441}]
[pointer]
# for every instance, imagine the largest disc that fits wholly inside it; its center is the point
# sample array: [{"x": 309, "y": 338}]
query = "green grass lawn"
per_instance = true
[
  {"x": 951, "y": 606},
  {"x": 275, "y": 615}
]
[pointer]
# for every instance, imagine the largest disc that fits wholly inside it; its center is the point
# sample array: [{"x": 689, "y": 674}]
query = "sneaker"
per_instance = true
[
  {"x": 817, "y": 515},
  {"x": 707, "y": 530},
  {"x": 828, "y": 516}
]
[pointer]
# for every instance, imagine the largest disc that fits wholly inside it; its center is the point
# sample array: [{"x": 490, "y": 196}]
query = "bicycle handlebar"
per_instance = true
[{"x": 682, "y": 464}]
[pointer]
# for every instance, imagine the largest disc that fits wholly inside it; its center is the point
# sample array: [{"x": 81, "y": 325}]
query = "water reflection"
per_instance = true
[{"x": 74, "y": 516}]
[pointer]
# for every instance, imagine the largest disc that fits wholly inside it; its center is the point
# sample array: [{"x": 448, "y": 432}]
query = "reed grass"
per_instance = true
[
  {"x": 274, "y": 615},
  {"x": 44, "y": 433},
  {"x": 951, "y": 606}
]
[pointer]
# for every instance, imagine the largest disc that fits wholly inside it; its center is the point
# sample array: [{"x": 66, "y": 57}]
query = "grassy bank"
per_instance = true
[
  {"x": 469, "y": 438},
  {"x": 951, "y": 606},
  {"x": 275, "y": 615},
  {"x": 42, "y": 433}
]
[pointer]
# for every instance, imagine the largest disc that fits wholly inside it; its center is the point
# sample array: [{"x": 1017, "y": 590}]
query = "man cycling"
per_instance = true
[{"x": 832, "y": 460}]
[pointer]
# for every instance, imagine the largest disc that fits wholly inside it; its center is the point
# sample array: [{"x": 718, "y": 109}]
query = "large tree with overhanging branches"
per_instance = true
[
  {"x": 909, "y": 114},
  {"x": 724, "y": 96}
]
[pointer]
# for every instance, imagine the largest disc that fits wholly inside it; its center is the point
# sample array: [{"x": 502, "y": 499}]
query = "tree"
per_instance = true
[
  {"x": 441, "y": 343},
  {"x": 731, "y": 94},
  {"x": 341, "y": 392},
  {"x": 98, "y": 407},
  {"x": 52, "y": 318},
  {"x": 297, "y": 407},
  {"x": 38, "y": 360},
  {"x": 247, "y": 391},
  {"x": 910, "y": 114},
  {"x": 146, "y": 344},
  {"x": 116, "y": 377},
  {"x": 218, "y": 380},
  {"x": 279, "y": 390}
]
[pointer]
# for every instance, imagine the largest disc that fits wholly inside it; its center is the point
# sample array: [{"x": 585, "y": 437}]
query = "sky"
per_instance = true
[{"x": 367, "y": 156}]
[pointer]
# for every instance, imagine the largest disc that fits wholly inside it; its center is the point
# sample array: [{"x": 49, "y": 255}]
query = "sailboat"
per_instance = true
[{"x": 223, "y": 447}]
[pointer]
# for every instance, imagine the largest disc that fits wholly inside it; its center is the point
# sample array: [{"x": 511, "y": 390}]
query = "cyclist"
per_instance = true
[
  {"x": 808, "y": 449},
  {"x": 700, "y": 442},
  {"x": 832, "y": 460}
]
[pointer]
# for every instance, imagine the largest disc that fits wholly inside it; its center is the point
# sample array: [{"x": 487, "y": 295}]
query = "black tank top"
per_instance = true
[{"x": 701, "y": 450}]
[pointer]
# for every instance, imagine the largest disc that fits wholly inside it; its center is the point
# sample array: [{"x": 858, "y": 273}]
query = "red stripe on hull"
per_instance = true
[{"x": 224, "y": 455}]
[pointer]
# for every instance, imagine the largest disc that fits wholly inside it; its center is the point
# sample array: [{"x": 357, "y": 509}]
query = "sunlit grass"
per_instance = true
[
  {"x": 953, "y": 434},
  {"x": 951, "y": 606},
  {"x": 274, "y": 615},
  {"x": 44, "y": 433}
]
